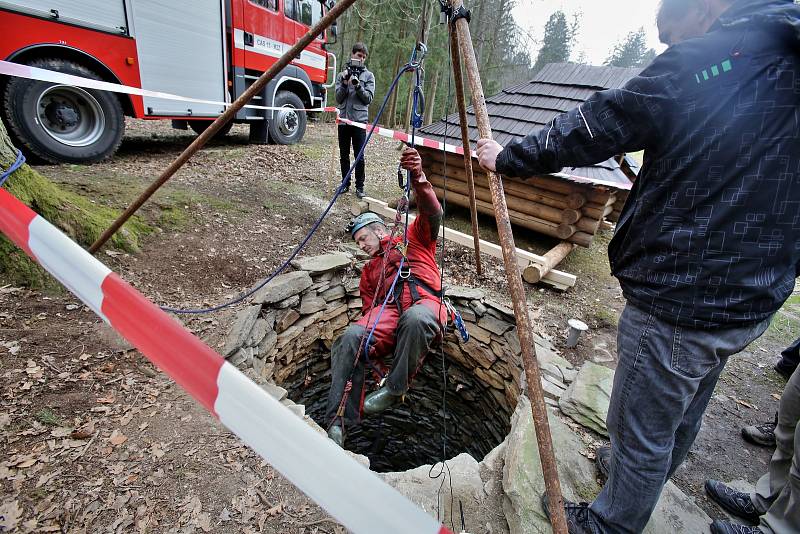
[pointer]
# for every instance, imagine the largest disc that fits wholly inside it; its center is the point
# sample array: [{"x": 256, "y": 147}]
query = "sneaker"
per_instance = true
[
  {"x": 725, "y": 527},
  {"x": 736, "y": 502},
  {"x": 360, "y": 193},
  {"x": 603, "y": 460},
  {"x": 577, "y": 515},
  {"x": 763, "y": 434},
  {"x": 785, "y": 369},
  {"x": 336, "y": 434}
]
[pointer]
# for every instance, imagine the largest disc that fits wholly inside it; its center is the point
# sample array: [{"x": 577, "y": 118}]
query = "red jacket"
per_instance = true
[{"x": 421, "y": 258}]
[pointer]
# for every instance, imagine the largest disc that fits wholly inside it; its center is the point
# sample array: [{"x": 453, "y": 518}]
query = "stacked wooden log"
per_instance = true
[
  {"x": 551, "y": 206},
  {"x": 622, "y": 196}
]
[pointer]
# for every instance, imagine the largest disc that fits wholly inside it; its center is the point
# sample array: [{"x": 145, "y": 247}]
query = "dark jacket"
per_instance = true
[
  {"x": 353, "y": 102},
  {"x": 710, "y": 234}
]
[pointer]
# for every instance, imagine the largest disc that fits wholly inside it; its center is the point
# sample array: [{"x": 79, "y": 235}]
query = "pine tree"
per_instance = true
[
  {"x": 557, "y": 42},
  {"x": 631, "y": 51}
]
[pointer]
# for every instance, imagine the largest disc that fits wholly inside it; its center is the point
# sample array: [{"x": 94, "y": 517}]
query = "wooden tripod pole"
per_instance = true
[
  {"x": 517, "y": 290},
  {"x": 294, "y": 52},
  {"x": 462, "y": 117}
]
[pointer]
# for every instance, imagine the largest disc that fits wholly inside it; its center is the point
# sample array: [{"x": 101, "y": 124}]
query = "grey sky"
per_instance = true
[{"x": 603, "y": 23}]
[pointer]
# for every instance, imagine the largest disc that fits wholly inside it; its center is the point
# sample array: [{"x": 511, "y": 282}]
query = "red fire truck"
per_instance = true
[{"x": 205, "y": 49}]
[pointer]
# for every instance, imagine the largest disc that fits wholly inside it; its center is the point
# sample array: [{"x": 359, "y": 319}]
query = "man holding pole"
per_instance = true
[{"x": 708, "y": 245}]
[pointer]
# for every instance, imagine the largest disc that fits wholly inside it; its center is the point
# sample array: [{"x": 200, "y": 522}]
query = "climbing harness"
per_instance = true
[{"x": 14, "y": 166}]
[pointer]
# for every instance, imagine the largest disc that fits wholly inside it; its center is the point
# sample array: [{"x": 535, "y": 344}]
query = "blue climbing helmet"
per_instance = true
[{"x": 361, "y": 221}]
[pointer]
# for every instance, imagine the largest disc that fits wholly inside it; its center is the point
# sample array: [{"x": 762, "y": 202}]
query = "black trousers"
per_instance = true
[
  {"x": 790, "y": 358},
  {"x": 355, "y": 136}
]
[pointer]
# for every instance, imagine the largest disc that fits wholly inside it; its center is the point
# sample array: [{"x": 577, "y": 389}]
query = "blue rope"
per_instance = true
[
  {"x": 316, "y": 225},
  {"x": 14, "y": 166}
]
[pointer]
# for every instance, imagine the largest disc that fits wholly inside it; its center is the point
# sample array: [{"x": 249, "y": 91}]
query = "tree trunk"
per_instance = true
[
  {"x": 431, "y": 99},
  {"x": 75, "y": 215},
  {"x": 391, "y": 112}
]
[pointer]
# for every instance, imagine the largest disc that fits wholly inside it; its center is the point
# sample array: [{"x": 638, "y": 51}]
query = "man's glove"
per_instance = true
[
  {"x": 411, "y": 161},
  {"x": 345, "y": 74}
]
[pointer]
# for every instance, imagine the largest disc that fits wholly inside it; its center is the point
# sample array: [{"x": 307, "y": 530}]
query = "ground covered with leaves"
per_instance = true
[{"x": 95, "y": 439}]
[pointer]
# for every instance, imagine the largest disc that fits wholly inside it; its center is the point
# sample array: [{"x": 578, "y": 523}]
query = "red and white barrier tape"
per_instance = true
[
  {"x": 44, "y": 75},
  {"x": 347, "y": 490}
]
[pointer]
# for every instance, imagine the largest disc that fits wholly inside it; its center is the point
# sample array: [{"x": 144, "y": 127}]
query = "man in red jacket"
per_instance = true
[{"x": 410, "y": 321}]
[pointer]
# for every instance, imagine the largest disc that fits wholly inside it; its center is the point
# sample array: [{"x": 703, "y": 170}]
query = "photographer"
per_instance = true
[{"x": 355, "y": 88}]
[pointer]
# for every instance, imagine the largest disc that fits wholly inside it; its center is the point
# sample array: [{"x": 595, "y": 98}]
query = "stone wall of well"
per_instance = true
[{"x": 286, "y": 332}]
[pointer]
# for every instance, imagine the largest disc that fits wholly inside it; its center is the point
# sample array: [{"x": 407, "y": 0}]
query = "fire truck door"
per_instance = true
[
  {"x": 105, "y": 15},
  {"x": 266, "y": 34},
  {"x": 181, "y": 47}
]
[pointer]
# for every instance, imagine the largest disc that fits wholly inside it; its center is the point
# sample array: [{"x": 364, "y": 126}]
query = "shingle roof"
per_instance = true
[{"x": 526, "y": 107}]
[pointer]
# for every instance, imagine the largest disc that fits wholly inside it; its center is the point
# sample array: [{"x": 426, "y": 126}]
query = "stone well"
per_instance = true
[
  {"x": 286, "y": 333},
  {"x": 493, "y": 467}
]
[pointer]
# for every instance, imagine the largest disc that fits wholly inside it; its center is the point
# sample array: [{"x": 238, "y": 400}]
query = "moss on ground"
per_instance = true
[{"x": 77, "y": 216}]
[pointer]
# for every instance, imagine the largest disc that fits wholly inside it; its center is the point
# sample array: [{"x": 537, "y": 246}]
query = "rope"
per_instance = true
[
  {"x": 14, "y": 166},
  {"x": 314, "y": 227}
]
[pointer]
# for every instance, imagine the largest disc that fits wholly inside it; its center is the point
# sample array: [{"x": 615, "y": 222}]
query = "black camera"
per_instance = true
[{"x": 355, "y": 67}]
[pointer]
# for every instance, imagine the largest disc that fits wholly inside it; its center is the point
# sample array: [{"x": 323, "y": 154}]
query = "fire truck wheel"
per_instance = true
[
  {"x": 60, "y": 123},
  {"x": 287, "y": 127},
  {"x": 201, "y": 126}
]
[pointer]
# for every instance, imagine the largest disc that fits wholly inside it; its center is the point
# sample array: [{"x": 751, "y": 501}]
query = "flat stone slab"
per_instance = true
[
  {"x": 587, "y": 397},
  {"x": 464, "y": 474},
  {"x": 240, "y": 331},
  {"x": 460, "y": 292},
  {"x": 322, "y": 264},
  {"x": 282, "y": 287}
]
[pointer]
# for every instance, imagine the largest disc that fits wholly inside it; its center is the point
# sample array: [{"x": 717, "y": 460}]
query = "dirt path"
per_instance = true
[{"x": 94, "y": 439}]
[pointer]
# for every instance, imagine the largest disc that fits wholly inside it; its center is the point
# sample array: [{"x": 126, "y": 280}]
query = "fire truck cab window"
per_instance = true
[
  {"x": 306, "y": 11},
  {"x": 269, "y": 4}
]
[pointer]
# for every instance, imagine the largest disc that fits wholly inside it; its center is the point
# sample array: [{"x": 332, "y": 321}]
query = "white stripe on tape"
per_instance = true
[
  {"x": 349, "y": 491},
  {"x": 43, "y": 75},
  {"x": 81, "y": 273}
]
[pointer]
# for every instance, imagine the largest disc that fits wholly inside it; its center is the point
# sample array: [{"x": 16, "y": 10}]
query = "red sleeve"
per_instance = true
[{"x": 426, "y": 225}]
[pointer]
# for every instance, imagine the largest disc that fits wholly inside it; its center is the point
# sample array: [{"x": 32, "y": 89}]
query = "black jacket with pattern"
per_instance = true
[{"x": 710, "y": 234}]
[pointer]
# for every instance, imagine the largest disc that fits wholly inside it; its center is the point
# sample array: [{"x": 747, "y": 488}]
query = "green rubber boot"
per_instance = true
[
  {"x": 380, "y": 401},
  {"x": 336, "y": 434}
]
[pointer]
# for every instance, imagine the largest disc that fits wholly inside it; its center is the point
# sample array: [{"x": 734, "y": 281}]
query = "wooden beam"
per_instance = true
[{"x": 557, "y": 279}]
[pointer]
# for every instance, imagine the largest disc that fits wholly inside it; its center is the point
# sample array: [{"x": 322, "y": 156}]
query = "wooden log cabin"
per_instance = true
[{"x": 569, "y": 205}]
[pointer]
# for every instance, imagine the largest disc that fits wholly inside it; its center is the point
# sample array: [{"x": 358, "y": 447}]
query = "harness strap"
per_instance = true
[{"x": 413, "y": 284}]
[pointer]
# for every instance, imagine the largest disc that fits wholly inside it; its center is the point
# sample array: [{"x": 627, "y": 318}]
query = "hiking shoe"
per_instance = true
[
  {"x": 336, "y": 434},
  {"x": 602, "y": 459},
  {"x": 785, "y": 369},
  {"x": 380, "y": 401},
  {"x": 360, "y": 193},
  {"x": 763, "y": 434},
  {"x": 577, "y": 515},
  {"x": 736, "y": 502},
  {"x": 725, "y": 527}
]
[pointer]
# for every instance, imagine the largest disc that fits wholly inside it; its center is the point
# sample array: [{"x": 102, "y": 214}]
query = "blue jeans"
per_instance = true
[{"x": 663, "y": 382}]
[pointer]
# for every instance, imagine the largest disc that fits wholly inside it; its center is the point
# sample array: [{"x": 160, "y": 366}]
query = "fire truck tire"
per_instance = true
[
  {"x": 287, "y": 127},
  {"x": 59, "y": 123},
  {"x": 201, "y": 126}
]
